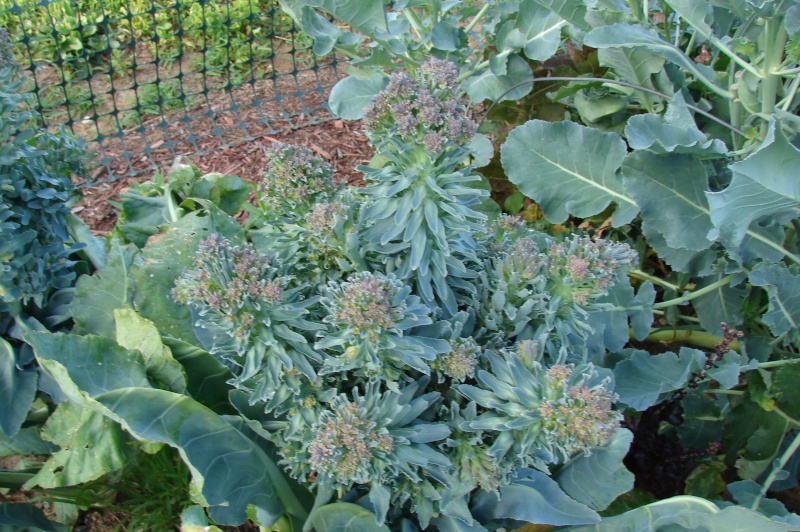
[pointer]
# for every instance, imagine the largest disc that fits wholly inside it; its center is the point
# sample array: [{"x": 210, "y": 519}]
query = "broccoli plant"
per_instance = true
[
  {"x": 36, "y": 168},
  {"x": 37, "y": 262}
]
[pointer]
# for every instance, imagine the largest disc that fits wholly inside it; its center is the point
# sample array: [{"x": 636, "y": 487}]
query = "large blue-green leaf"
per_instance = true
[
  {"x": 763, "y": 241},
  {"x": 568, "y": 169},
  {"x": 95, "y": 246},
  {"x": 674, "y": 132},
  {"x": 702, "y": 422},
  {"x": 747, "y": 492},
  {"x": 670, "y": 191},
  {"x": 533, "y": 498},
  {"x": 753, "y": 437},
  {"x": 723, "y": 304},
  {"x": 573, "y": 11},
  {"x": 165, "y": 257},
  {"x": 229, "y": 467},
  {"x": 642, "y": 377},
  {"x": 319, "y": 28},
  {"x": 24, "y": 517},
  {"x": 25, "y": 442},
  {"x": 17, "y": 390},
  {"x": 228, "y": 192},
  {"x": 444, "y": 523},
  {"x": 536, "y": 30},
  {"x": 598, "y": 478},
  {"x": 785, "y": 390},
  {"x": 764, "y": 185},
  {"x": 685, "y": 512},
  {"x": 229, "y": 471},
  {"x": 91, "y": 365},
  {"x": 783, "y": 287},
  {"x": 142, "y": 216},
  {"x": 98, "y": 295},
  {"x": 633, "y": 36},
  {"x": 487, "y": 85},
  {"x": 695, "y": 263},
  {"x": 345, "y": 517},
  {"x": 639, "y": 67},
  {"x": 207, "y": 377},
  {"x": 694, "y": 13},
  {"x": 135, "y": 332},
  {"x": 351, "y": 95},
  {"x": 610, "y": 324},
  {"x": 91, "y": 446},
  {"x": 367, "y": 16}
]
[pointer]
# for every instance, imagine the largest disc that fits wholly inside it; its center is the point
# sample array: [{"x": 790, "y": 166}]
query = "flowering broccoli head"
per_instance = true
[
  {"x": 370, "y": 442},
  {"x": 231, "y": 280},
  {"x": 459, "y": 362},
  {"x": 244, "y": 315},
  {"x": 582, "y": 269},
  {"x": 321, "y": 221},
  {"x": 468, "y": 450},
  {"x": 293, "y": 182},
  {"x": 367, "y": 304},
  {"x": 540, "y": 414},
  {"x": 421, "y": 112},
  {"x": 509, "y": 223},
  {"x": 513, "y": 295},
  {"x": 370, "y": 318},
  {"x": 348, "y": 445},
  {"x": 317, "y": 247}
]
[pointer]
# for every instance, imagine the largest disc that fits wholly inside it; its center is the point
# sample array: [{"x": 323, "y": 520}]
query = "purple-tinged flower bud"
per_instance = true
[
  {"x": 347, "y": 447},
  {"x": 364, "y": 303},
  {"x": 294, "y": 180},
  {"x": 440, "y": 73},
  {"x": 426, "y": 111},
  {"x": 460, "y": 362}
]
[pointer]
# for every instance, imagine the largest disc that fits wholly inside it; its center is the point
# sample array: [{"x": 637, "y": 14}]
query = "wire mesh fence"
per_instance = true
[{"x": 147, "y": 80}]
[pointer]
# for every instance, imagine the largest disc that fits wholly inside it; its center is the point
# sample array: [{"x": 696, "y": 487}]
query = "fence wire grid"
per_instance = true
[{"x": 147, "y": 80}]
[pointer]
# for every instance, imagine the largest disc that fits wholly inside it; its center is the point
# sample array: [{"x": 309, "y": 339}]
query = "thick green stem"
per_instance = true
[
  {"x": 483, "y": 64},
  {"x": 639, "y": 274},
  {"x": 774, "y": 42},
  {"x": 478, "y": 16},
  {"x": 683, "y": 317},
  {"x": 413, "y": 19},
  {"x": 787, "y": 72},
  {"x": 694, "y": 337},
  {"x": 692, "y": 40},
  {"x": 792, "y": 421},
  {"x": 787, "y": 102},
  {"x": 735, "y": 58},
  {"x": 694, "y": 295},
  {"x": 719, "y": 391},
  {"x": 777, "y": 468},
  {"x": 778, "y": 363}
]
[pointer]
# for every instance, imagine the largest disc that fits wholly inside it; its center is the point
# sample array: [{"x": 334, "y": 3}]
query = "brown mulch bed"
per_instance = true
[{"x": 340, "y": 143}]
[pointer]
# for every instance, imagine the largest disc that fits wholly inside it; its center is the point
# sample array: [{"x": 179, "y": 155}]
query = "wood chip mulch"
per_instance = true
[{"x": 340, "y": 143}]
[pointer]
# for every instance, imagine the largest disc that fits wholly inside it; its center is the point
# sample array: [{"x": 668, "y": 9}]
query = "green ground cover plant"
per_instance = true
[{"x": 402, "y": 355}]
